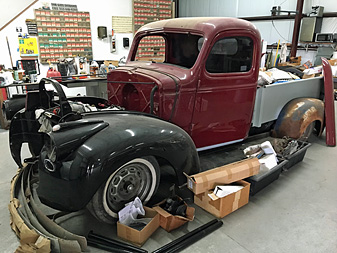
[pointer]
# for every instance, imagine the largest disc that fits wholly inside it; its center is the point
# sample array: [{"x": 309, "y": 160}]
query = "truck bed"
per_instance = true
[
  {"x": 272, "y": 98},
  {"x": 232, "y": 153}
]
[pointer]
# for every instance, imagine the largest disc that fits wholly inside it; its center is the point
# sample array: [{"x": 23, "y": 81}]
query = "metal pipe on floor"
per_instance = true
[
  {"x": 113, "y": 243},
  {"x": 191, "y": 237},
  {"x": 106, "y": 246}
]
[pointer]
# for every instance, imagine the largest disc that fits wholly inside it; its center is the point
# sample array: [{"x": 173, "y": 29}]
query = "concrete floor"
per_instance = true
[{"x": 296, "y": 213}]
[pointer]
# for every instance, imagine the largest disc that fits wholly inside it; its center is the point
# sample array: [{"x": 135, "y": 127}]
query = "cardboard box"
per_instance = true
[
  {"x": 220, "y": 207},
  {"x": 226, "y": 174},
  {"x": 139, "y": 237},
  {"x": 170, "y": 222},
  {"x": 333, "y": 62},
  {"x": 305, "y": 76}
]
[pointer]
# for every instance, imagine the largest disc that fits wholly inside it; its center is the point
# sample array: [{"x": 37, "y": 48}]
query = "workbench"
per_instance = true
[{"x": 95, "y": 86}]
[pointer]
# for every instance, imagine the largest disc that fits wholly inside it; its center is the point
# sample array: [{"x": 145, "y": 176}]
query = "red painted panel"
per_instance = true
[
  {"x": 3, "y": 93},
  {"x": 329, "y": 104}
]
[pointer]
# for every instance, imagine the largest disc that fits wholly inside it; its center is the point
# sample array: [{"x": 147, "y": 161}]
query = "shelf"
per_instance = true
[
  {"x": 65, "y": 50},
  {"x": 78, "y": 22},
  {"x": 317, "y": 43},
  {"x": 29, "y": 55},
  {"x": 64, "y": 37},
  {"x": 54, "y": 26}
]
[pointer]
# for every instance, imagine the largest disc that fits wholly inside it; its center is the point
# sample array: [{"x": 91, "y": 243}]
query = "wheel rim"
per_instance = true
[{"x": 132, "y": 180}]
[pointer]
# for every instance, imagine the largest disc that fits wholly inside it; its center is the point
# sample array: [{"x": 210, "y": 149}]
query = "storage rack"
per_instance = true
[
  {"x": 144, "y": 12},
  {"x": 63, "y": 34}
]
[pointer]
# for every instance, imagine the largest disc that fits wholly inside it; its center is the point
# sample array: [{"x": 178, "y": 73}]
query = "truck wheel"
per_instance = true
[{"x": 139, "y": 177}]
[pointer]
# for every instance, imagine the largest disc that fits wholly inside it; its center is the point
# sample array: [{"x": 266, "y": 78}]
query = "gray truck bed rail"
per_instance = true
[{"x": 272, "y": 98}]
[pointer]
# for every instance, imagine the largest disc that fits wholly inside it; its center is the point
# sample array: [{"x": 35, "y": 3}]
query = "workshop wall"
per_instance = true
[
  {"x": 10, "y": 10},
  {"x": 271, "y": 31},
  {"x": 101, "y": 12}
]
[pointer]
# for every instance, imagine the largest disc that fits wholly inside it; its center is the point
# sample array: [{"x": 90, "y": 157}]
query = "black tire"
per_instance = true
[{"x": 138, "y": 177}]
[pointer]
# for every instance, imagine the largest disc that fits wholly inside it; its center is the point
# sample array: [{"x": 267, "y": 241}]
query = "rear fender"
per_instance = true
[{"x": 297, "y": 115}]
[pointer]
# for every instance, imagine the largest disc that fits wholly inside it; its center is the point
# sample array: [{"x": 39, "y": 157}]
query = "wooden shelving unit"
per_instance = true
[
  {"x": 144, "y": 12},
  {"x": 63, "y": 34}
]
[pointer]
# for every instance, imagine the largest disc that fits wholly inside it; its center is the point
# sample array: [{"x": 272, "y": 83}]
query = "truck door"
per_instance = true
[{"x": 226, "y": 91}]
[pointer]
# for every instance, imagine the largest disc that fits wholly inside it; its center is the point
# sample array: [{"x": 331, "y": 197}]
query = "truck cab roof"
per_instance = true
[{"x": 209, "y": 26}]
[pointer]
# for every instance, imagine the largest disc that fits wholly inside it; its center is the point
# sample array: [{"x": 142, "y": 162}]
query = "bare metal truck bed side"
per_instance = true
[{"x": 272, "y": 98}]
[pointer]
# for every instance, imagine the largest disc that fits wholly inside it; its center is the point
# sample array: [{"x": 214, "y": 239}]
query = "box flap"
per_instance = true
[
  {"x": 221, "y": 207},
  {"x": 162, "y": 212},
  {"x": 139, "y": 237}
]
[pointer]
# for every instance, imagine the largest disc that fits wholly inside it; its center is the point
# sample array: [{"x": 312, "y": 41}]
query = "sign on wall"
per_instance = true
[
  {"x": 122, "y": 24},
  {"x": 28, "y": 46}
]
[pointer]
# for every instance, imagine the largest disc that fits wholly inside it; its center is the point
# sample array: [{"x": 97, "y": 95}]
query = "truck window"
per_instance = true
[
  {"x": 151, "y": 48},
  {"x": 181, "y": 49},
  {"x": 185, "y": 49},
  {"x": 230, "y": 54}
]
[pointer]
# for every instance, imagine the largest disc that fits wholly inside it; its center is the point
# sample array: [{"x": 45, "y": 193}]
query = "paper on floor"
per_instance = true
[{"x": 221, "y": 191}]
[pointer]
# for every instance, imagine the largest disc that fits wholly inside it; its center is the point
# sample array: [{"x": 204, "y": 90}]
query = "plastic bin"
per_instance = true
[
  {"x": 297, "y": 156},
  {"x": 263, "y": 179}
]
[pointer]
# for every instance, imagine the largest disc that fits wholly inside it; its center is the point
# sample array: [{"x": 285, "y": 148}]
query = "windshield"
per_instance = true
[{"x": 173, "y": 48}]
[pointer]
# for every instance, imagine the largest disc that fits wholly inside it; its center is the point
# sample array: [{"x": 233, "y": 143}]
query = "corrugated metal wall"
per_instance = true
[{"x": 270, "y": 31}]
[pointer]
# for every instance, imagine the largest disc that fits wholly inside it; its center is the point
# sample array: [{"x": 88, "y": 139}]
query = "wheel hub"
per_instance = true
[
  {"x": 130, "y": 187},
  {"x": 129, "y": 182}
]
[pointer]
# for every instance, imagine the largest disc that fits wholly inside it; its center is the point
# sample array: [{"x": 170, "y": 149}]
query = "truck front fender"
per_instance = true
[
  {"x": 297, "y": 115},
  {"x": 128, "y": 136}
]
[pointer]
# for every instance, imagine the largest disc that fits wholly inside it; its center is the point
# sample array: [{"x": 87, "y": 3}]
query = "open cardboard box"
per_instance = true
[
  {"x": 220, "y": 207},
  {"x": 170, "y": 222},
  {"x": 139, "y": 237},
  {"x": 226, "y": 174}
]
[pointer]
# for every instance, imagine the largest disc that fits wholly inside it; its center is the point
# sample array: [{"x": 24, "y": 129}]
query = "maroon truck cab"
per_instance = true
[{"x": 198, "y": 73}]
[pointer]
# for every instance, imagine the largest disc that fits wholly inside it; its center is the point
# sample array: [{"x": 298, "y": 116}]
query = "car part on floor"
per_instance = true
[
  {"x": 296, "y": 118},
  {"x": 175, "y": 206},
  {"x": 329, "y": 104},
  {"x": 191, "y": 237},
  {"x": 97, "y": 240},
  {"x": 33, "y": 227},
  {"x": 99, "y": 245}
]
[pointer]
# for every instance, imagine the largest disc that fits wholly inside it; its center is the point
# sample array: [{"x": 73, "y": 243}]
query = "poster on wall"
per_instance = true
[
  {"x": 122, "y": 24},
  {"x": 28, "y": 47}
]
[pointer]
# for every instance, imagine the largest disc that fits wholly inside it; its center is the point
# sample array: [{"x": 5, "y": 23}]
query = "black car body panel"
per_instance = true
[
  {"x": 128, "y": 135},
  {"x": 78, "y": 152}
]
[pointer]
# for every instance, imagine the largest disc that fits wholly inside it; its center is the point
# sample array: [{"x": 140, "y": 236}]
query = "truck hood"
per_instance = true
[{"x": 144, "y": 87}]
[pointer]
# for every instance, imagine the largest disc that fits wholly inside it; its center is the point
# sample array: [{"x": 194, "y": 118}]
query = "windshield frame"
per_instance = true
[{"x": 168, "y": 46}]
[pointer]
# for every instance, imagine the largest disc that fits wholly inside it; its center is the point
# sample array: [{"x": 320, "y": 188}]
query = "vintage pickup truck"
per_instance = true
[{"x": 196, "y": 89}]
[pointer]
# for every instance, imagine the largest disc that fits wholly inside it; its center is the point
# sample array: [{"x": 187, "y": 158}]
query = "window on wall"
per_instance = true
[{"x": 230, "y": 55}]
